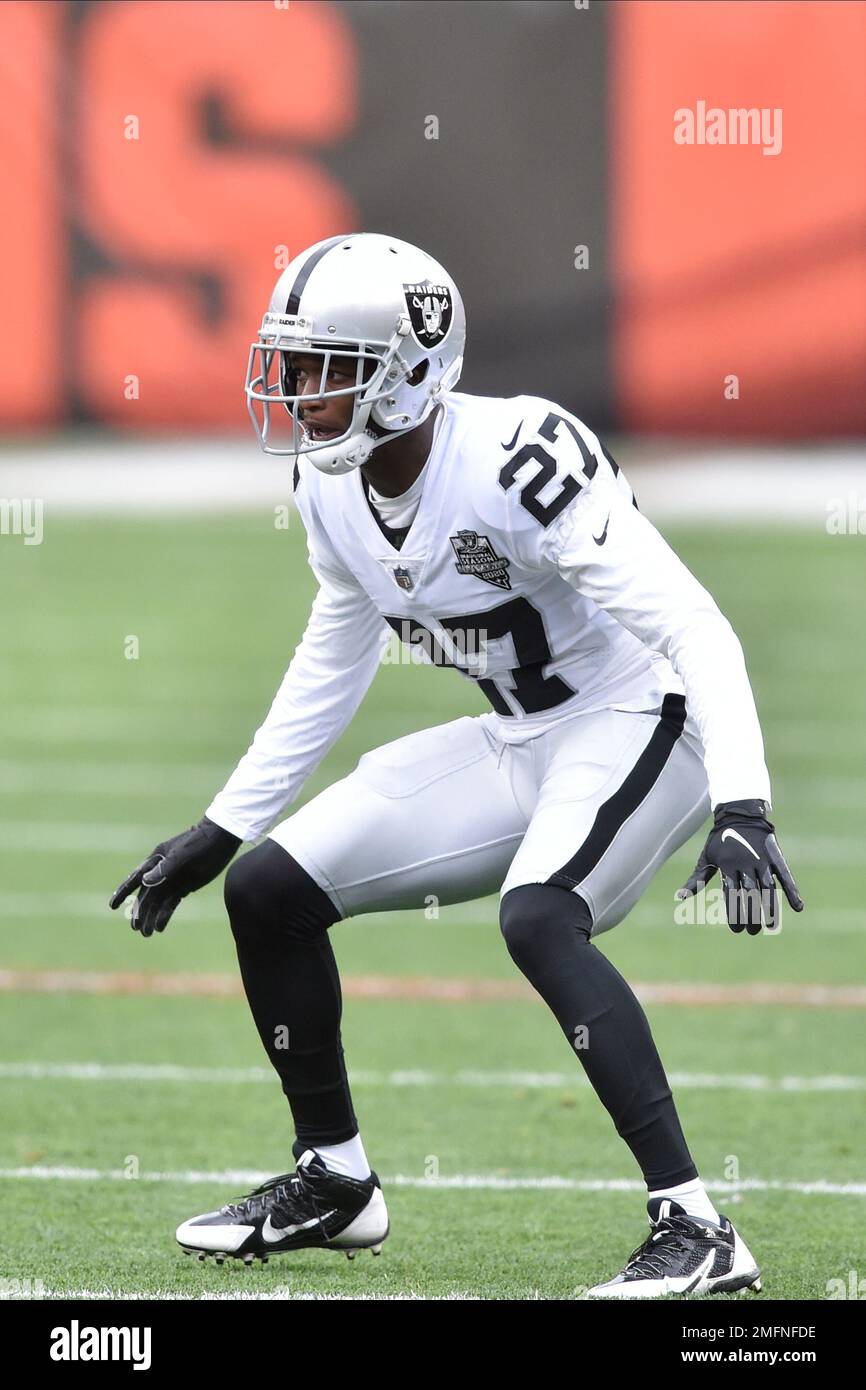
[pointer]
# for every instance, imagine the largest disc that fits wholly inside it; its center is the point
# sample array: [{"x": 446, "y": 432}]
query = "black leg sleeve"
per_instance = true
[
  {"x": 547, "y": 931},
  {"x": 280, "y": 919}
]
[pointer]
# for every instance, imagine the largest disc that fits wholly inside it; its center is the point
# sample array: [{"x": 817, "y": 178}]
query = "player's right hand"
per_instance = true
[{"x": 175, "y": 868}]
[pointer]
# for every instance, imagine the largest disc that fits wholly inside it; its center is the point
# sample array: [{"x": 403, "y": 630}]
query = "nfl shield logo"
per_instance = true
[
  {"x": 430, "y": 312},
  {"x": 403, "y": 578}
]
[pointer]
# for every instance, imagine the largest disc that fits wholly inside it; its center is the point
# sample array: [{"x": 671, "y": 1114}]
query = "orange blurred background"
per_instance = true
[{"x": 161, "y": 158}]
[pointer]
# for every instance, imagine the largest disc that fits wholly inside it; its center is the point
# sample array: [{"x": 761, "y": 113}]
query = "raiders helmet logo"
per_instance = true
[{"x": 430, "y": 311}]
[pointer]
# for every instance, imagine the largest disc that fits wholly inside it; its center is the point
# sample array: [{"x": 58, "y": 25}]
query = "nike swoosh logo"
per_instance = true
[
  {"x": 271, "y": 1234},
  {"x": 702, "y": 1273},
  {"x": 511, "y": 443},
  {"x": 600, "y": 540},
  {"x": 735, "y": 835}
]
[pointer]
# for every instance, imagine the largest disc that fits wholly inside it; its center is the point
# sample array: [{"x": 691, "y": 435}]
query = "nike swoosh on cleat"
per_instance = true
[
  {"x": 735, "y": 835},
  {"x": 511, "y": 443},
  {"x": 271, "y": 1234},
  {"x": 702, "y": 1273},
  {"x": 600, "y": 540}
]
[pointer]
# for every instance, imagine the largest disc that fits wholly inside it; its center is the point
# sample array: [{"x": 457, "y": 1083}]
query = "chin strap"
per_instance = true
[
  {"x": 343, "y": 458},
  {"x": 352, "y": 453}
]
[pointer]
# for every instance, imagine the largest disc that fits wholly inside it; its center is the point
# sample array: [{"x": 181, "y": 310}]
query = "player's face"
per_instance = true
[{"x": 325, "y": 419}]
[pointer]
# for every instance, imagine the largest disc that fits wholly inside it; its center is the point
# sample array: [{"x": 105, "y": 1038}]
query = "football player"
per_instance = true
[{"x": 501, "y": 537}]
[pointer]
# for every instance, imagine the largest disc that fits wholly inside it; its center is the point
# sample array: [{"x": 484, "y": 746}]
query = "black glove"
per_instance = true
[
  {"x": 175, "y": 868},
  {"x": 742, "y": 846}
]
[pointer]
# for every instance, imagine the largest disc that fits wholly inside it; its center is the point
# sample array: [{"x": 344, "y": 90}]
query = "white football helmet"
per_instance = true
[{"x": 368, "y": 297}]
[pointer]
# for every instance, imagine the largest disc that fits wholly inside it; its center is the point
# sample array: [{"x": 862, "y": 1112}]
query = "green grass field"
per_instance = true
[{"x": 103, "y": 756}]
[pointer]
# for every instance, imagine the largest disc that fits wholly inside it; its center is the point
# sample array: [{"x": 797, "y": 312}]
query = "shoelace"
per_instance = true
[
  {"x": 647, "y": 1258},
  {"x": 290, "y": 1192},
  {"x": 254, "y": 1203}
]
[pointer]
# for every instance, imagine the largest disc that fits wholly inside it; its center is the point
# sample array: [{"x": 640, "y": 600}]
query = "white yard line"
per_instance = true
[
  {"x": 461, "y": 1182},
  {"x": 528, "y": 1080},
  {"x": 138, "y": 479},
  {"x": 673, "y": 479}
]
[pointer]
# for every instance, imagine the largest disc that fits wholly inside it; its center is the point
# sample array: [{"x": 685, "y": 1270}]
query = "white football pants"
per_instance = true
[{"x": 595, "y": 805}]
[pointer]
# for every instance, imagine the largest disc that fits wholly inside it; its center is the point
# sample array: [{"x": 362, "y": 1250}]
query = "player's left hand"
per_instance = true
[{"x": 744, "y": 849}]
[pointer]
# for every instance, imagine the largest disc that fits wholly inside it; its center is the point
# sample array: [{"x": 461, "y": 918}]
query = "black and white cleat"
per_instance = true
[
  {"x": 310, "y": 1208},
  {"x": 684, "y": 1256}
]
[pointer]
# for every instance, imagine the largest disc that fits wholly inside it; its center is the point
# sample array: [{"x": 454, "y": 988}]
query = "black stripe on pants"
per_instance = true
[{"x": 614, "y": 812}]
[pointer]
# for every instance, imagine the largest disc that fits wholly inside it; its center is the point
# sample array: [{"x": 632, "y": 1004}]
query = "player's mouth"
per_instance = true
[{"x": 321, "y": 432}]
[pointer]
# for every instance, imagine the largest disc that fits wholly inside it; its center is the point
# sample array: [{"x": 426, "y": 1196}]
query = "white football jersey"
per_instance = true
[{"x": 528, "y": 567}]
